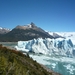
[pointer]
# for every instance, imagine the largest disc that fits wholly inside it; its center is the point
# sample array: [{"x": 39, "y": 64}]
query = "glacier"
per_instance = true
[
  {"x": 57, "y": 54},
  {"x": 47, "y": 46}
]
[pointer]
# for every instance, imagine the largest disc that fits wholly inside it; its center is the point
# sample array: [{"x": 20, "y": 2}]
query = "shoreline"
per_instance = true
[{"x": 49, "y": 70}]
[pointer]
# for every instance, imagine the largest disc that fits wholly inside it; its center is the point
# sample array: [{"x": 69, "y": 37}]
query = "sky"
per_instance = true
[{"x": 50, "y": 15}]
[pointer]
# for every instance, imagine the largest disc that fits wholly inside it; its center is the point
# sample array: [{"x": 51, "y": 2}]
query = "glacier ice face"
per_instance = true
[{"x": 47, "y": 46}]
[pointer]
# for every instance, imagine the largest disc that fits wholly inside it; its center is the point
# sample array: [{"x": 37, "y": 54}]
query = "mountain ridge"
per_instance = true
[{"x": 25, "y": 33}]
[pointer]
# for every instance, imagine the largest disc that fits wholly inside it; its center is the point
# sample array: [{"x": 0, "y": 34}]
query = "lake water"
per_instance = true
[{"x": 63, "y": 65}]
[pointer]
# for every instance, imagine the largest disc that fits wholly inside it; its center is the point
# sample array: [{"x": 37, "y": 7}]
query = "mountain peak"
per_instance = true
[
  {"x": 32, "y": 24},
  {"x": 25, "y": 32},
  {"x": 28, "y": 26}
]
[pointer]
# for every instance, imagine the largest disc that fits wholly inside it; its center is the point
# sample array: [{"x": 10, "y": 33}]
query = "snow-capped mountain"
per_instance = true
[
  {"x": 55, "y": 35},
  {"x": 24, "y": 33},
  {"x": 30, "y": 26},
  {"x": 4, "y": 30},
  {"x": 66, "y": 35}
]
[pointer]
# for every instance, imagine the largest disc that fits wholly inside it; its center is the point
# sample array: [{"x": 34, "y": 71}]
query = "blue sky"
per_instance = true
[{"x": 51, "y": 15}]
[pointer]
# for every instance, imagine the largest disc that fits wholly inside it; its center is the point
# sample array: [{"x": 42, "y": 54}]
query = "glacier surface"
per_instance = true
[{"x": 47, "y": 46}]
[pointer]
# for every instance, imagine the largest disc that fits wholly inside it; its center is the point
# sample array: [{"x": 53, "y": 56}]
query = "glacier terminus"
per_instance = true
[{"x": 48, "y": 46}]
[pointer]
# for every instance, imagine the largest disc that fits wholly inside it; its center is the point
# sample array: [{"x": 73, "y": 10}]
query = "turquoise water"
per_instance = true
[{"x": 62, "y": 67}]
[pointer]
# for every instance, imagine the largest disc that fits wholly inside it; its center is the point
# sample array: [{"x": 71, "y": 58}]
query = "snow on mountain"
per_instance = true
[
  {"x": 55, "y": 35},
  {"x": 63, "y": 34},
  {"x": 0, "y": 27},
  {"x": 48, "y": 46},
  {"x": 28, "y": 26},
  {"x": 67, "y": 35},
  {"x": 4, "y": 30}
]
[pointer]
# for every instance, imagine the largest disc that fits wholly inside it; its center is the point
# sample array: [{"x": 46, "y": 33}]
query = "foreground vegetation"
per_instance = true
[{"x": 15, "y": 63}]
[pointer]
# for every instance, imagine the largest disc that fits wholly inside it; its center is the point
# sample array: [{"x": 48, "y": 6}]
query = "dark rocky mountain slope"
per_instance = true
[{"x": 24, "y": 33}]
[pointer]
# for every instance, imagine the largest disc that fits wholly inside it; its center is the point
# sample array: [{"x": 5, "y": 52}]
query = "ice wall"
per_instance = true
[{"x": 47, "y": 46}]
